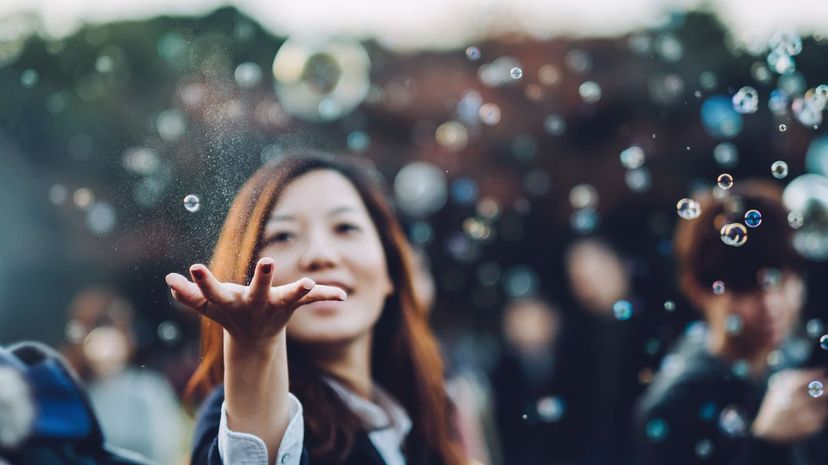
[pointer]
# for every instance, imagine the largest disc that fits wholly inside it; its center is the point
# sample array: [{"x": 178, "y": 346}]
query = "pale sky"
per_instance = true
[{"x": 440, "y": 24}]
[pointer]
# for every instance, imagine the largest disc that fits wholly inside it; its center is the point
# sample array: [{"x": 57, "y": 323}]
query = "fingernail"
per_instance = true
[
  {"x": 267, "y": 268},
  {"x": 198, "y": 273},
  {"x": 308, "y": 284}
]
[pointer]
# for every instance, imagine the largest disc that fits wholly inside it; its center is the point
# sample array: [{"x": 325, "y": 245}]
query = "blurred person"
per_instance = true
[
  {"x": 315, "y": 346},
  {"x": 730, "y": 394},
  {"x": 531, "y": 397},
  {"x": 467, "y": 385},
  {"x": 137, "y": 407},
  {"x": 608, "y": 347}
]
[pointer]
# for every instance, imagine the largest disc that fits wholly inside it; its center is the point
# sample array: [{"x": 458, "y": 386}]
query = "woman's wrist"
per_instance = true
[{"x": 240, "y": 348}]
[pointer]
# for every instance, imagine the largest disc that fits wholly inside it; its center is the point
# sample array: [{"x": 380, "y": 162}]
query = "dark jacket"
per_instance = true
[
  {"x": 64, "y": 430},
  {"x": 205, "y": 443},
  {"x": 699, "y": 410}
]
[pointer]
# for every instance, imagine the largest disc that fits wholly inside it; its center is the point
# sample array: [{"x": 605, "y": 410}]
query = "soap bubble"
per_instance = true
[
  {"x": 516, "y": 73},
  {"x": 688, "y": 209},
  {"x": 590, "y": 91},
  {"x": 623, "y": 310},
  {"x": 806, "y": 198},
  {"x": 734, "y": 324},
  {"x": 718, "y": 287},
  {"x": 719, "y": 118},
  {"x": 726, "y": 155},
  {"x": 554, "y": 124},
  {"x": 248, "y": 75},
  {"x": 192, "y": 203},
  {"x": 473, "y": 53},
  {"x": 732, "y": 423},
  {"x": 753, "y": 218},
  {"x": 550, "y": 409},
  {"x": 452, "y": 135},
  {"x": 583, "y": 196},
  {"x": 823, "y": 342},
  {"x": 632, "y": 157},
  {"x": 783, "y": 128},
  {"x": 724, "y": 181},
  {"x": 746, "y": 100},
  {"x": 734, "y": 234},
  {"x": 780, "y": 62},
  {"x": 420, "y": 189},
  {"x": 168, "y": 332},
  {"x": 815, "y": 389},
  {"x": 656, "y": 429},
  {"x": 779, "y": 169},
  {"x": 489, "y": 113},
  {"x": 786, "y": 42},
  {"x": 704, "y": 448}
]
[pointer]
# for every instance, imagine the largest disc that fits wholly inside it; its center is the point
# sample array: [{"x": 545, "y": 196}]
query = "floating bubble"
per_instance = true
[
  {"x": 74, "y": 331},
  {"x": 638, "y": 180},
  {"x": 516, "y": 73},
  {"x": 726, "y": 155},
  {"x": 753, "y": 218},
  {"x": 814, "y": 327},
  {"x": 100, "y": 218},
  {"x": 499, "y": 72},
  {"x": 806, "y": 197},
  {"x": 192, "y": 203},
  {"x": 781, "y": 63},
  {"x": 740, "y": 369},
  {"x": 171, "y": 125},
  {"x": 688, "y": 209},
  {"x": 769, "y": 277},
  {"x": 816, "y": 158},
  {"x": 718, "y": 287},
  {"x": 550, "y": 409},
  {"x": 732, "y": 423},
  {"x": 806, "y": 112},
  {"x": 452, "y": 135},
  {"x": 704, "y": 448},
  {"x": 779, "y": 169},
  {"x": 656, "y": 430},
  {"x": 746, "y": 100},
  {"x": 623, "y": 310},
  {"x": 584, "y": 220},
  {"x": 477, "y": 229},
  {"x": 168, "y": 332},
  {"x": 719, "y": 118},
  {"x": 358, "y": 141},
  {"x": 554, "y": 124},
  {"x": 760, "y": 73},
  {"x": 734, "y": 234},
  {"x": 708, "y": 80},
  {"x": 549, "y": 75},
  {"x": 670, "y": 306},
  {"x": 420, "y": 189},
  {"x": 421, "y": 232},
  {"x": 520, "y": 281},
  {"x": 489, "y": 113},
  {"x": 783, "y": 128},
  {"x": 83, "y": 198},
  {"x": 815, "y": 389},
  {"x": 632, "y": 157},
  {"x": 321, "y": 79},
  {"x": 473, "y": 53},
  {"x": 778, "y": 102},
  {"x": 578, "y": 61},
  {"x": 823, "y": 342},
  {"x": 58, "y": 194},
  {"x": 786, "y": 42},
  {"x": 734, "y": 324},
  {"x": 29, "y": 78},
  {"x": 590, "y": 91},
  {"x": 724, "y": 181},
  {"x": 583, "y": 196},
  {"x": 795, "y": 219},
  {"x": 248, "y": 75},
  {"x": 669, "y": 48},
  {"x": 464, "y": 191}
]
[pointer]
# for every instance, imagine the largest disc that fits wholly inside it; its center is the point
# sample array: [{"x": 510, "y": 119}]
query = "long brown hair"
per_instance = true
[{"x": 405, "y": 356}]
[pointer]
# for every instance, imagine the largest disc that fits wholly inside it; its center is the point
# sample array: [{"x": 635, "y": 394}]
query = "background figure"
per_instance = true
[
  {"x": 531, "y": 400},
  {"x": 603, "y": 350},
  {"x": 137, "y": 408},
  {"x": 714, "y": 400}
]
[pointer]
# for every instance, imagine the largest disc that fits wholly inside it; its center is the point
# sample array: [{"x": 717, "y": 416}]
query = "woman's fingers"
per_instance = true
[
  {"x": 210, "y": 287},
  {"x": 321, "y": 292},
  {"x": 184, "y": 291},
  {"x": 260, "y": 286}
]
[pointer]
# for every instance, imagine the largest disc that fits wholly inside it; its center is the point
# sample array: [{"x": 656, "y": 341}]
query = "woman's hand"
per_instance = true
[
  {"x": 253, "y": 313},
  {"x": 788, "y": 413}
]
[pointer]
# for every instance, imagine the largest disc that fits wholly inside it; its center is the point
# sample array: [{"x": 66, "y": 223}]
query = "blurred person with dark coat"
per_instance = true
[
  {"x": 531, "y": 397},
  {"x": 730, "y": 393}
]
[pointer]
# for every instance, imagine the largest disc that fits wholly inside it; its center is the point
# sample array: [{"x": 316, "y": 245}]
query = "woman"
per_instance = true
[
  {"x": 712, "y": 402},
  {"x": 330, "y": 313}
]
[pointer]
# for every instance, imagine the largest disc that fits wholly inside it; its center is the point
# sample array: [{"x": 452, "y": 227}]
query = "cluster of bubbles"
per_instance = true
[{"x": 637, "y": 177}]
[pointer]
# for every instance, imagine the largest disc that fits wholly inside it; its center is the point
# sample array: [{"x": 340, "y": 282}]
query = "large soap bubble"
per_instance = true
[{"x": 807, "y": 195}]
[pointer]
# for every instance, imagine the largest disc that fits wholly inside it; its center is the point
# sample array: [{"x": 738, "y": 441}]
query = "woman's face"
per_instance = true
[
  {"x": 321, "y": 229},
  {"x": 758, "y": 321}
]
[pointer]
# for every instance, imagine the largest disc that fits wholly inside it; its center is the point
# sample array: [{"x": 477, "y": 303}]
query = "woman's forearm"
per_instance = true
[{"x": 256, "y": 388}]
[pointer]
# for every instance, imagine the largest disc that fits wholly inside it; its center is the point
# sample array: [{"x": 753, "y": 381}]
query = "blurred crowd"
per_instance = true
[{"x": 583, "y": 320}]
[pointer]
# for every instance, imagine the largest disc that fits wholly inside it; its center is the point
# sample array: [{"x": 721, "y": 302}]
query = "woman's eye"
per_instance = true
[
  {"x": 280, "y": 237},
  {"x": 346, "y": 227}
]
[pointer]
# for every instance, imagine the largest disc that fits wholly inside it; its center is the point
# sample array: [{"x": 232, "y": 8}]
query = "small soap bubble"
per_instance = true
[
  {"x": 734, "y": 324},
  {"x": 815, "y": 389},
  {"x": 168, "y": 332},
  {"x": 656, "y": 429},
  {"x": 725, "y": 181},
  {"x": 795, "y": 219},
  {"x": 473, "y": 53},
  {"x": 623, "y": 310},
  {"x": 823, "y": 342},
  {"x": 779, "y": 169},
  {"x": 489, "y": 113},
  {"x": 783, "y": 128},
  {"x": 590, "y": 91},
  {"x": 726, "y": 154},
  {"x": 554, "y": 124},
  {"x": 734, "y": 234},
  {"x": 516, "y": 73},
  {"x": 769, "y": 277},
  {"x": 688, "y": 209},
  {"x": 632, "y": 157},
  {"x": 550, "y": 409},
  {"x": 746, "y": 100},
  {"x": 670, "y": 306},
  {"x": 732, "y": 422},
  {"x": 753, "y": 218},
  {"x": 718, "y": 287},
  {"x": 192, "y": 203},
  {"x": 704, "y": 448},
  {"x": 814, "y": 327}
]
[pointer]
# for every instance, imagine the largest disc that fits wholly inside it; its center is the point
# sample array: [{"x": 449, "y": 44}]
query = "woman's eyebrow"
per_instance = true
[{"x": 290, "y": 217}]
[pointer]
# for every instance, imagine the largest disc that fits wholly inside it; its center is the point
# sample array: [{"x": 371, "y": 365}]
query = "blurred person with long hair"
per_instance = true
[
  {"x": 730, "y": 392},
  {"x": 315, "y": 346}
]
